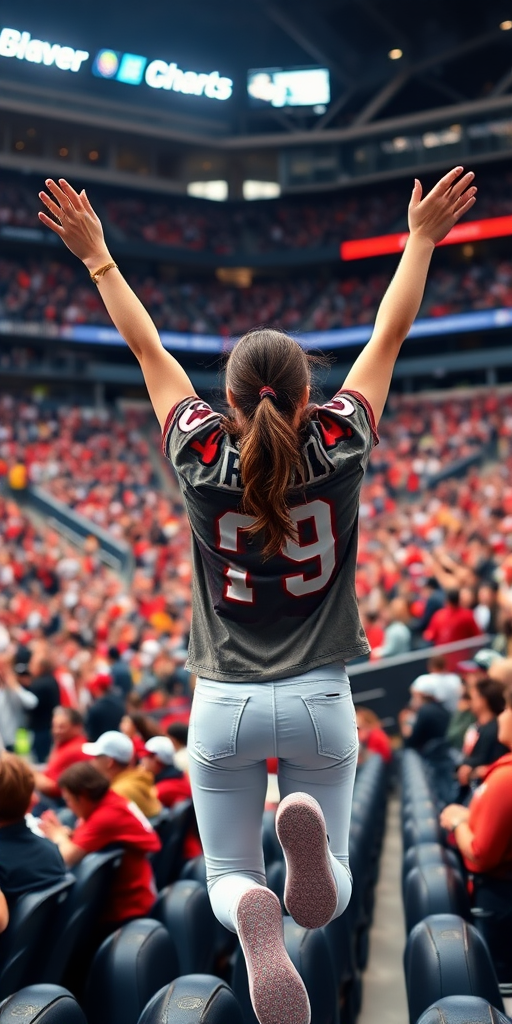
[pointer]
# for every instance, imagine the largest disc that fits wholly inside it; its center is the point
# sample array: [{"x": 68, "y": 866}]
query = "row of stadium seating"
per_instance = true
[
  {"x": 245, "y": 228},
  {"x": 48, "y": 291},
  {"x": 151, "y": 967},
  {"x": 448, "y": 970}
]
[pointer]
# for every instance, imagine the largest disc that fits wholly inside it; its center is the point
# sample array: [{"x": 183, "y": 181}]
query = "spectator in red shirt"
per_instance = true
[
  {"x": 171, "y": 784},
  {"x": 450, "y": 624},
  {"x": 106, "y": 819},
  {"x": 68, "y": 739},
  {"x": 483, "y": 835},
  {"x": 372, "y": 737}
]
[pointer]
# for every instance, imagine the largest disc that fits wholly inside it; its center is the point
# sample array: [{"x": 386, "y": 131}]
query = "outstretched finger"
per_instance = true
[
  {"x": 45, "y": 219},
  {"x": 73, "y": 196},
  {"x": 445, "y": 183},
  {"x": 463, "y": 199},
  {"x": 460, "y": 186},
  {"x": 49, "y": 203},
  {"x": 58, "y": 194},
  {"x": 461, "y": 210},
  {"x": 86, "y": 203}
]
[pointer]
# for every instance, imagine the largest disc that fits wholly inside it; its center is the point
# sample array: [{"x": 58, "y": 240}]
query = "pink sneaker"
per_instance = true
[
  {"x": 311, "y": 893},
  {"x": 277, "y": 991}
]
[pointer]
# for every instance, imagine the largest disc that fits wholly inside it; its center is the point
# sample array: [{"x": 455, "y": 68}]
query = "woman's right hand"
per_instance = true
[{"x": 75, "y": 222}]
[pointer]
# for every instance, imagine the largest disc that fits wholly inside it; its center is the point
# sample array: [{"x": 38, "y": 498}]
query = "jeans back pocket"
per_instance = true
[
  {"x": 214, "y": 725},
  {"x": 334, "y": 722}
]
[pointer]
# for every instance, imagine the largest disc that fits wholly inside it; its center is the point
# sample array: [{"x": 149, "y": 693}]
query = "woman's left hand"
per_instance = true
[{"x": 435, "y": 215}]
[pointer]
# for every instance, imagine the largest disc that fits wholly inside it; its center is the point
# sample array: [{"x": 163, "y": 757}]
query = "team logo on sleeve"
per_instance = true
[
  {"x": 194, "y": 416},
  {"x": 341, "y": 405}
]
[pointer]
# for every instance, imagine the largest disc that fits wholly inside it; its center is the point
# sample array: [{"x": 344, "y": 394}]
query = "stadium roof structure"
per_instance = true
[{"x": 387, "y": 59}]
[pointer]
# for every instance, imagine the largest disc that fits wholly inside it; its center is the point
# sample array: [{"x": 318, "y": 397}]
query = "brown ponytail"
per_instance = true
[{"x": 270, "y": 447}]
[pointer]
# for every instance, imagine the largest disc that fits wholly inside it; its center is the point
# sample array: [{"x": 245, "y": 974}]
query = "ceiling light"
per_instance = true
[
  {"x": 63, "y": 151},
  {"x": 506, "y": 25},
  {"x": 395, "y": 54}
]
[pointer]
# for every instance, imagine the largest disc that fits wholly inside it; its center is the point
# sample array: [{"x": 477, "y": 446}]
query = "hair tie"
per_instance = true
[{"x": 267, "y": 392}]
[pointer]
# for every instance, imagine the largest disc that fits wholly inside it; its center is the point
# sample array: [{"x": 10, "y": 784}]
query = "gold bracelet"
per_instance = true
[{"x": 96, "y": 274}]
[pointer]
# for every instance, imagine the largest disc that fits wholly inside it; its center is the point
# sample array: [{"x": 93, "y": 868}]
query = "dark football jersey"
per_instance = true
[{"x": 260, "y": 619}]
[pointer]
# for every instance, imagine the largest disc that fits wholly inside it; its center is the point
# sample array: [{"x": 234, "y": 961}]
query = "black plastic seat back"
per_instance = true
[
  {"x": 272, "y": 849},
  {"x": 185, "y": 911},
  {"x": 424, "y": 829},
  {"x": 41, "y": 1004},
  {"x": 193, "y": 999},
  {"x": 168, "y": 862},
  {"x": 26, "y": 934},
  {"x": 445, "y": 956},
  {"x": 129, "y": 967},
  {"x": 462, "y": 1010},
  {"x": 80, "y": 914},
  {"x": 276, "y": 878},
  {"x": 434, "y": 889},
  {"x": 427, "y": 853}
]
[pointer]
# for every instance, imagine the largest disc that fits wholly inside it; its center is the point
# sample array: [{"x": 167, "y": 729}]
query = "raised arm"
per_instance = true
[
  {"x": 430, "y": 219},
  {"x": 80, "y": 229}
]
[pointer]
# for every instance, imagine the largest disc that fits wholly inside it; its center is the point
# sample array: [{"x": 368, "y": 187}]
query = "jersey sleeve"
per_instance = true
[
  {"x": 192, "y": 438},
  {"x": 347, "y": 423}
]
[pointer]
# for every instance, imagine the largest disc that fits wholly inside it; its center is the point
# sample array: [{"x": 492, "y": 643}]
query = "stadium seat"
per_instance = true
[
  {"x": 343, "y": 957},
  {"x": 309, "y": 952},
  {"x": 427, "y": 853},
  {"x": 272, "y": 850},
  {"x": 445, "y": 956},
  {"x": 434, "y": 889},
  {"x": 129, "y": 967},
  {"x": 193, "y": 999},
  {"x": 421, "y": 830},
  {"x": 462, "y": 1010},
  {"x": 74, "y": 924},
  {"x": 276, "y": 878},
  {"x": 25, "y": 937},
  {"x": 185, "y": 911},
  {"x": 172, "y": 829},
  {"x": 41, "y": 1004},
  {"x": 226, "y": 941}
]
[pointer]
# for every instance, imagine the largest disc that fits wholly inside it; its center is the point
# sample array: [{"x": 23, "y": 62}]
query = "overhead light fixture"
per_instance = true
[
  {"x": 395, "y": 54},
  {"x": 506, "y": 25}
]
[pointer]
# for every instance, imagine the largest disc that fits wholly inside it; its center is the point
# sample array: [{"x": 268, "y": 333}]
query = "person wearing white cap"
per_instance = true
[
  {"x": 426, "y": 718},
  {"x": 171, "y": 784},
  {"x": 448, "y": 685},
  {"x": 114, "y": 754}
]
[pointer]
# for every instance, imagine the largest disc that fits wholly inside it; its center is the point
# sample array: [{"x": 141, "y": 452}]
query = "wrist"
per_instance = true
[
  {"x": 419, "y": 239},
  {"x": 97, "y": 260}
]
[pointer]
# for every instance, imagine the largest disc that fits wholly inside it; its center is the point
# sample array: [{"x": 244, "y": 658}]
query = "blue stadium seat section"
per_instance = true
[
  {"x": 79, "y": 915},
  {"x": 176, "y": 963},
  {"x": 193, "y": 999},
  {"x": 185, "y": 911},
  {"x": 129, "y": 968},
  {"x": 449, "y": 974},
  {"x": 27, "y": 933},
  {"x": 41, "y": 1004},
  {"x": 172, "y": 827},
  {"x": 463, "y": 1010}
]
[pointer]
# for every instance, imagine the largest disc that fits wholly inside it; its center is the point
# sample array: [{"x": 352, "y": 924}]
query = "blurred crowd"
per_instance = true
[
  {"x": 50, "y": 292},
  {"x": 265, "y": 226}
]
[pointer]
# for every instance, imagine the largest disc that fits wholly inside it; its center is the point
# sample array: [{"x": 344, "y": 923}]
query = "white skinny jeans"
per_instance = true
[{"x": 308, "y": 722}]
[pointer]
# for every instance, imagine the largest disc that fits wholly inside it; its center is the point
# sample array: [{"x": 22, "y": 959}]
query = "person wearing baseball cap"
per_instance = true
[
  {"x": 171, "y": 784},
  {"x": 426, "y": 718},
  {"x": 113, "y": 754}
]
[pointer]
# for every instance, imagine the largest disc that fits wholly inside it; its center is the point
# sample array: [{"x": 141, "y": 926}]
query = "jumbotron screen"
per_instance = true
[{"x": 288, "y": 87}]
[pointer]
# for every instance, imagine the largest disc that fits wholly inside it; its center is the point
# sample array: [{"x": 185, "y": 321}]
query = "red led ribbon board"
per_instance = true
[{"x": 471, "y": 231}]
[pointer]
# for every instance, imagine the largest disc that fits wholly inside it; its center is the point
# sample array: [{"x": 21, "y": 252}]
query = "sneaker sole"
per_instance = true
[
  {"x": 311, "y": 893},
  {"x": 278, "y": 994}
]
